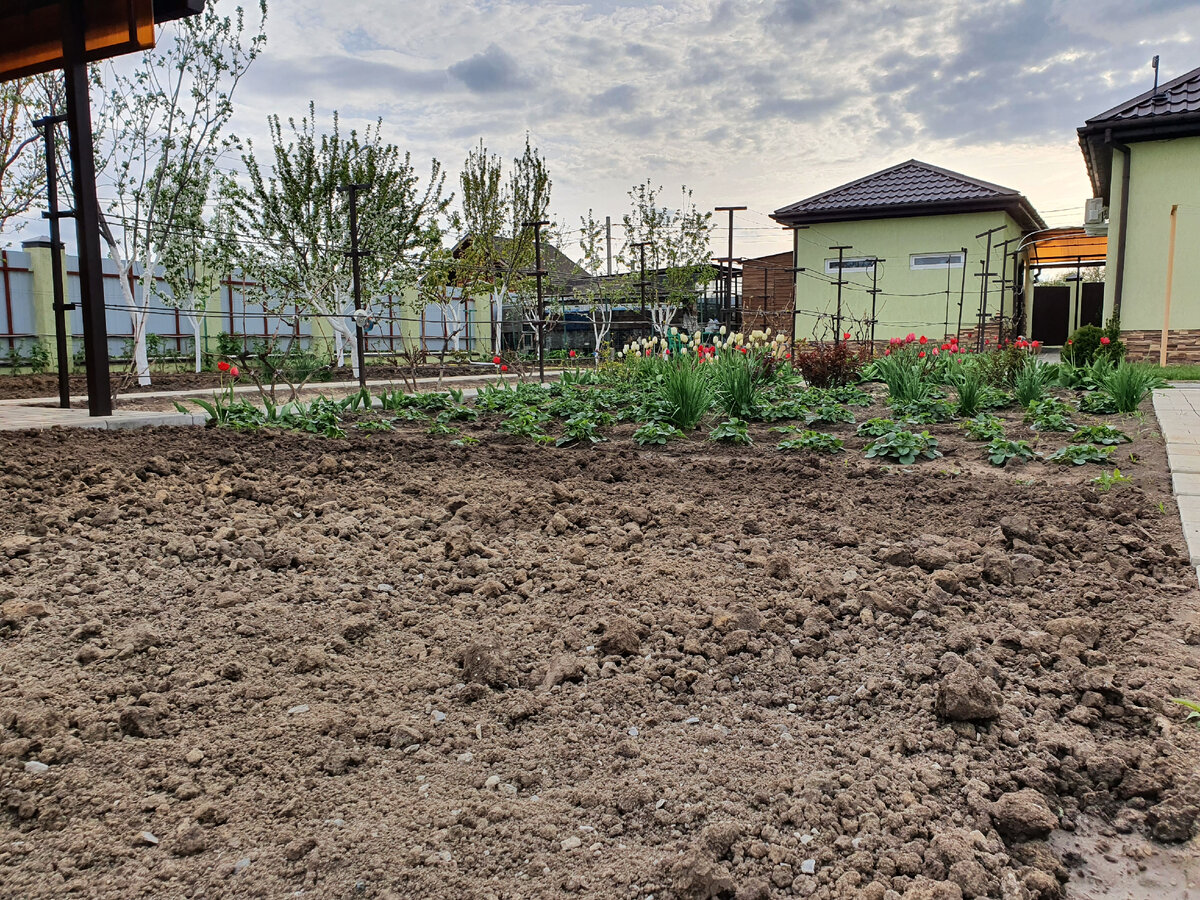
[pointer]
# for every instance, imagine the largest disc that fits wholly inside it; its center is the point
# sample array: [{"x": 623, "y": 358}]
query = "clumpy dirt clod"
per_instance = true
[{"x": 253, "y": 665}]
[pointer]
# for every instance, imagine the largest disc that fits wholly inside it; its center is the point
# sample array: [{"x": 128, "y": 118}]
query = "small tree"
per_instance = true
[
  {"x": 677, "y": 250},
  {"x": 600, "y": 294},
  {"x": 22, "y": 168},
  {"x": 298, "y": 210},
  {"x": 161, "y": 126},
  {"x": 194, "y": 259}
]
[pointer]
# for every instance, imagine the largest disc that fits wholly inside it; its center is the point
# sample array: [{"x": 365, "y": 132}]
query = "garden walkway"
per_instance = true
[
  {"x": 43, "y": 412},
  {"x": 1178, "y": 411}
]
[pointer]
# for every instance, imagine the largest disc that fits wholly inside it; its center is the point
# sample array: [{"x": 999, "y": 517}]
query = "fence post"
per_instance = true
[{"x": 41, "y": 300}]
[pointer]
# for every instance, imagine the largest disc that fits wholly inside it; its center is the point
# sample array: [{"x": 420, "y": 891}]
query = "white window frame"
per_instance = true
[
  {"x": 831, "y": 265},
  {"x": 957, "y": 260}
]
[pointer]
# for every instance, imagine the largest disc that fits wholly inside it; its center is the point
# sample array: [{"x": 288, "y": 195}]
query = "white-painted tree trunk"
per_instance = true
[
  {"x": 193, "y": 317},
  {"x": 661, "y": 315}
]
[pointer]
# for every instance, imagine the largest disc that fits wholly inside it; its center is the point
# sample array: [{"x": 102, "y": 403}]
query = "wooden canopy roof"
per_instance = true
[
  {"x": 1060, "y": 247},
  {"x": 31, "y": 31}
]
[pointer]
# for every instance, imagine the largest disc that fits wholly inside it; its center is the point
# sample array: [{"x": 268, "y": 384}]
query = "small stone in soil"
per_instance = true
[
  {"x": 808, "y": 867},
  {"x": 571, "y": 843},
  {"x": 241, "y": 864},
  {"x": 296, "y": 710},
  {"x": 33, "y": 767},
  {"x": 147, "y": 838}
]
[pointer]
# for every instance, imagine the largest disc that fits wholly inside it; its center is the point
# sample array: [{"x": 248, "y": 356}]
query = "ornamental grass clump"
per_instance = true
[
  {"x": 687, "y": 395},
  {"x": 1031, "y": 381},
  {"x": 735, "y": 386},
  {"x": 969, "y": 383},
  {"x": 1129, "y": 383}
]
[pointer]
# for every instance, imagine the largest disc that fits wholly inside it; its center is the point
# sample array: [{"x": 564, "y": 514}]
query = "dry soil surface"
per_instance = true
[{"x": 244, "y": 665}]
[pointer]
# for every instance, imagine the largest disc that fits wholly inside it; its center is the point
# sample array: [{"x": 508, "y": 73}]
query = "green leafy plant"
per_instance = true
[
  {"x": 999, "y": 451},
  {"x": 994, "y": 398},
  {"x": 1129, "y": 383},
  {"x": 903, "y": 446},
  {"x": 1193, "y": 715},
  {"x": 828, "y": 414},
  {"x": 1080, "y": 454},
  {"x": 376, "y": 425},
  {"x": 581, "y": 429},
  {"x": 731, "y": 431},
  {"x": 813, "y": 441},
  {"x": 984, "y": 427},
  {"x": 1105, "y": 480},
  {"x": 465, "y": 441},
  {"x": 1100, "y": 403},
  {"x": 39, "y": 357},
  {"x": 441, "y": 428},
  {"x": 656, "y": 433},
  {"x": 1101, "y": 434},
  {"x": 1052, "y": 422},
  {"x": 877, "y": 427},
  {"x": 925, "y": 411}
]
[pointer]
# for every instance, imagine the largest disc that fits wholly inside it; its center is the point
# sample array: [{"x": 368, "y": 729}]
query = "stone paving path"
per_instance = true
[{"x": 1178, "y": 411}]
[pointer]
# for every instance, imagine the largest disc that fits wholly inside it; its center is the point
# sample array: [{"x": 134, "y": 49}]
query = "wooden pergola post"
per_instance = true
[{"x": 1162, "y": 349}]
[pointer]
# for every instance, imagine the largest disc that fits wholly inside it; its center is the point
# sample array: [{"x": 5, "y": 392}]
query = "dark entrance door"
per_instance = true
[
  {"x": 1051, "y": 314},
  {"x": 1091, "y": 304}
]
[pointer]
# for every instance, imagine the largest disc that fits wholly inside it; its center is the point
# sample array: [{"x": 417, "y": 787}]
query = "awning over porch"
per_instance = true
[{"x": 1062, "y": 247}]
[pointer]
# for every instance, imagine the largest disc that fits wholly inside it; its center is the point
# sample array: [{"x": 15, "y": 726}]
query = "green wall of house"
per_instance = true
[
  {"x": 1163, "y": 173},
  {"x": 910, "y": 300}
]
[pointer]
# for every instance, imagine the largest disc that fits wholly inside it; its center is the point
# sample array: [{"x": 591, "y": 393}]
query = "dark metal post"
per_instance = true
[
  {"x": 985, "y": 275},
  {"x": 962, "y": 295},
  {"x": 642, "y": 245},
  {"x": 841, "y": 249},
  {"x": 87, "y": 211},
  {"x": 60, "y": 305},
  {"x": 608, "y": 241},
  {"x": 874, "y": 297},
  {"x": 729, "y": 261},
  {"x": 541, "y": 303},
  {"x": 360, "y": 336}
]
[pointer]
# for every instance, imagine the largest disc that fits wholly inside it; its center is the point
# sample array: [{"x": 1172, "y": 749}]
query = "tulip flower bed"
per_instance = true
[{"x": 339, "y": 656}]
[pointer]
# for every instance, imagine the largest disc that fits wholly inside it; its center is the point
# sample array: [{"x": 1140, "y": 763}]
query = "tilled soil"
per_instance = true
[{"x": 264, "y": 665}]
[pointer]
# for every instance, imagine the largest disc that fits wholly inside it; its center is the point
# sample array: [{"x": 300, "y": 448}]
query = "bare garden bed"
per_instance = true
[{"x": 384, "y": 666}]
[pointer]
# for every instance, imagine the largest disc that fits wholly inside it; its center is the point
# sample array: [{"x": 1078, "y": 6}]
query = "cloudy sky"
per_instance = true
[{"x": 750, "y": 102}]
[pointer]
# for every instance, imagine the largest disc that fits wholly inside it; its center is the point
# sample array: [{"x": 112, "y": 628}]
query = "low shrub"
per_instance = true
[{"x": 829, "y": 365}]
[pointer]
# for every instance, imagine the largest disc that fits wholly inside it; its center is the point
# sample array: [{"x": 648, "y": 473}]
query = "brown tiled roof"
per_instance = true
[
  {"x": 1179, "y": 96},
  {"x": 910, "y": 188},
  {"x": 1171, "y": 112}
]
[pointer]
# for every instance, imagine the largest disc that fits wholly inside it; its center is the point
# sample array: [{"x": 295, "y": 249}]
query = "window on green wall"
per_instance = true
[
  {"x": 952, "y": 260},
  {"x": 850, "y": 264}
]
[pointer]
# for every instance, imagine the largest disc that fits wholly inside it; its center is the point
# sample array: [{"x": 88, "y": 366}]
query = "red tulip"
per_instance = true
[
  {"x": 571, "y": 354},
  {"x": 1105, "y": 341},
  {"x": 887, "y": 352},
  {"x": 787, "y": 356},
  {"x": 743, "y": 349},
  {"x": 222, "y": 366},
  {"x": 935, "y": 351},
  {"x": 1069, "y": 343},
  {"x": 495, "y": 360},
  {"x": 924, "y": 339},
  {"x": 921, "y": 355},
  {"x": 504, "y": 368},
  {"x": 846, "y": 336},
  {"x": 909, "y": 338},
  {"x": 233, "y": 370}
]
